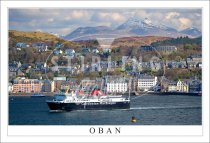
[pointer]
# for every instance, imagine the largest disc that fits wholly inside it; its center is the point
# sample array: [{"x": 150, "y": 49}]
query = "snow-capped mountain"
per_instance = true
[
  {"x": 167, "y": 28},
  {"x": 146, "y": 27},
  {"x": 192, "y": 31},
  {"x": 134, "y": 23},
  {"x": 134, "y": 27}
]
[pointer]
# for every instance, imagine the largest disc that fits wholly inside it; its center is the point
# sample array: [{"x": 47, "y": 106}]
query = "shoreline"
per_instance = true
[
  {"x": 172, "y": 93},
  {"x": 29, "y": 94},
  {"x": 132, "y": 94}
]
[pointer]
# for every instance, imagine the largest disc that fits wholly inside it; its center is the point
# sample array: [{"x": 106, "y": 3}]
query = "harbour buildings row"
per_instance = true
[{"x": 111, "y": 84}]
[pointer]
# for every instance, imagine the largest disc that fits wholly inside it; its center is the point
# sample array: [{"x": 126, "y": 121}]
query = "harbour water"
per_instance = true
[{"x": 148, "y": 110}]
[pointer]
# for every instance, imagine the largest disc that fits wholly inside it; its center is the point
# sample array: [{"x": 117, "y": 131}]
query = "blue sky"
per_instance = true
[{"x": 64, "y": 21}]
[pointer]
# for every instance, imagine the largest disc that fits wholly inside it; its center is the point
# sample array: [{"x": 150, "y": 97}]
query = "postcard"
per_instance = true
[{"x": 131, "y": 70}]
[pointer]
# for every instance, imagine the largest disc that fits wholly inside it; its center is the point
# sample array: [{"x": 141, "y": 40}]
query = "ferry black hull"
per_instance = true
[{"x": 56, "y": 106}]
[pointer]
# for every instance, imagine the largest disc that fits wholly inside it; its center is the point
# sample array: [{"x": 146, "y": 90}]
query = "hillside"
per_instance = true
[
  {"x": 35, "y": 36},
  {"x": 136, "y": 41},
  {"x": 179, "y": 41},
  {"x": 32, "y": 35}
]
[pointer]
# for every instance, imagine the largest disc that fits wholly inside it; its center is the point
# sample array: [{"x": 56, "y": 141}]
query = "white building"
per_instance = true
[
  {"x": 96, "y": 51},
  {"x": 10, "y": 87},
  {"x": 145, "y": 83},
  {"x": 70, "y": 52},
  {"x": 117, "y": 86},
  {"x": 182, "y": 86}
]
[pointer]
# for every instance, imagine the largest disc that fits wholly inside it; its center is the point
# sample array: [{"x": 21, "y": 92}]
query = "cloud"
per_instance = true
[
  {"x": 108, "y": 16},
  {"x": 142, "y": 14},
  {"x": 64, "y": 20},
  {"x": 76, "y": 14},
  {"x": 171, "y": 15},
  {"x": 185, "y": 22},
  {"x": 50, "y": 19},
  {"x": 117, "y": 17}
]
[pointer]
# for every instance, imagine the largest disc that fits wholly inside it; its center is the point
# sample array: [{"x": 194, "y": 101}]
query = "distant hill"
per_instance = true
[
  {"x": 194, "y": 32},
  {"x": 87, "y": 33},
  {"x": 132, "y": 41},
  {"x": 131, "y": 27},
  {"x": 35, "y": 36},
  {"x": 31, "y": 35},
  {"x": 179, "y": 41},
  {"x": 136, "y": 41}
]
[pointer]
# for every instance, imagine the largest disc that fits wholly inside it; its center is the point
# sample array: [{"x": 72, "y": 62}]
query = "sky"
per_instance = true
[{"x": 64, "y": 21}]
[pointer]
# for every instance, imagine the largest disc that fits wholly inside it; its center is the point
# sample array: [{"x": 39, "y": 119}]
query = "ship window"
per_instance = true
[{"x": 59, "y": 97}]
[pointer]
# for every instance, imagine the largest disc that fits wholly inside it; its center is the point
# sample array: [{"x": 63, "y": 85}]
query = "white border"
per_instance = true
[{"x": 67, "y": 133}]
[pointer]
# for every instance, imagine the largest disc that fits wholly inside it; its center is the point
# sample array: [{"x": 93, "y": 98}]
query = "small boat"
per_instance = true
[{"x": 37, "y": 95}]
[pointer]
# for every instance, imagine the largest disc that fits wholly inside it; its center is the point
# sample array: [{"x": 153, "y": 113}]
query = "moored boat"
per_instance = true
[{"x": 37, "y": 95}]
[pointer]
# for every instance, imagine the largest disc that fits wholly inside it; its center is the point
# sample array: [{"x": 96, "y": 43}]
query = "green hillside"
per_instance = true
[{"x": 179, "y": 41}]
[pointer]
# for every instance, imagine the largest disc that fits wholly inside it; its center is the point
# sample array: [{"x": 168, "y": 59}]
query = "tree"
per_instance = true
[
  {"x": 188, "y": 47},
  {"x": 29, "y": 54},
  {"x": 178, "y": 58},
  {"x": 56, "y": 74}
]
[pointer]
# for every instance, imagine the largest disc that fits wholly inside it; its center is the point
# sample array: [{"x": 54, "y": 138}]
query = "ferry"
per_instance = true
[{"x": 97, "y": 100}]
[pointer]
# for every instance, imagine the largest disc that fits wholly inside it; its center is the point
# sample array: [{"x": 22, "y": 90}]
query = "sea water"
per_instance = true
[{"x": 148, "y": 110}]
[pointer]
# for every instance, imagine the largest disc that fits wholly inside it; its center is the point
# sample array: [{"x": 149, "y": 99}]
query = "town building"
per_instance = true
[
  {"x": 146, "y": 82},
  {"x": 199, "y": 65},
  {"x": 193, "y": 61},
  {"x": 95, "y": 51},
  {"x": 133, "y": 84},
  {"x": 47, "y": 86},
  {"x": 73, "y": 83},
  {"x": 13, "y": 70},
  {"x": 146, "y": 48},
  {"x": 88, "y": 85},
  {"x": 117, "y": 85},
  {"x": 107, "y": 50},
  {"x": 176, "y": 64},
  {"x": 156, "y": 65},
  {"x": 166, "y": 49},
  {"x": 65, "y": 86},
  {"x": 182, "y": 86},
  {"x": 195, "y": 86},
  {"x": 70, "y": 52},
  {"x": 40, "y": 66},
  {"x": 26, "y": 85},
  {"x": 100, "y": 83},
  {"x": 40, "y": 46},
  {"x": 21, "y": 45},
  {"x": 57, "y": 82},
  {"x": 86, "y": 50},
  {"x": 10, "y": 88},
  {"x": 57, "y": 52},
  {"x": 172, "y": 87}
]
